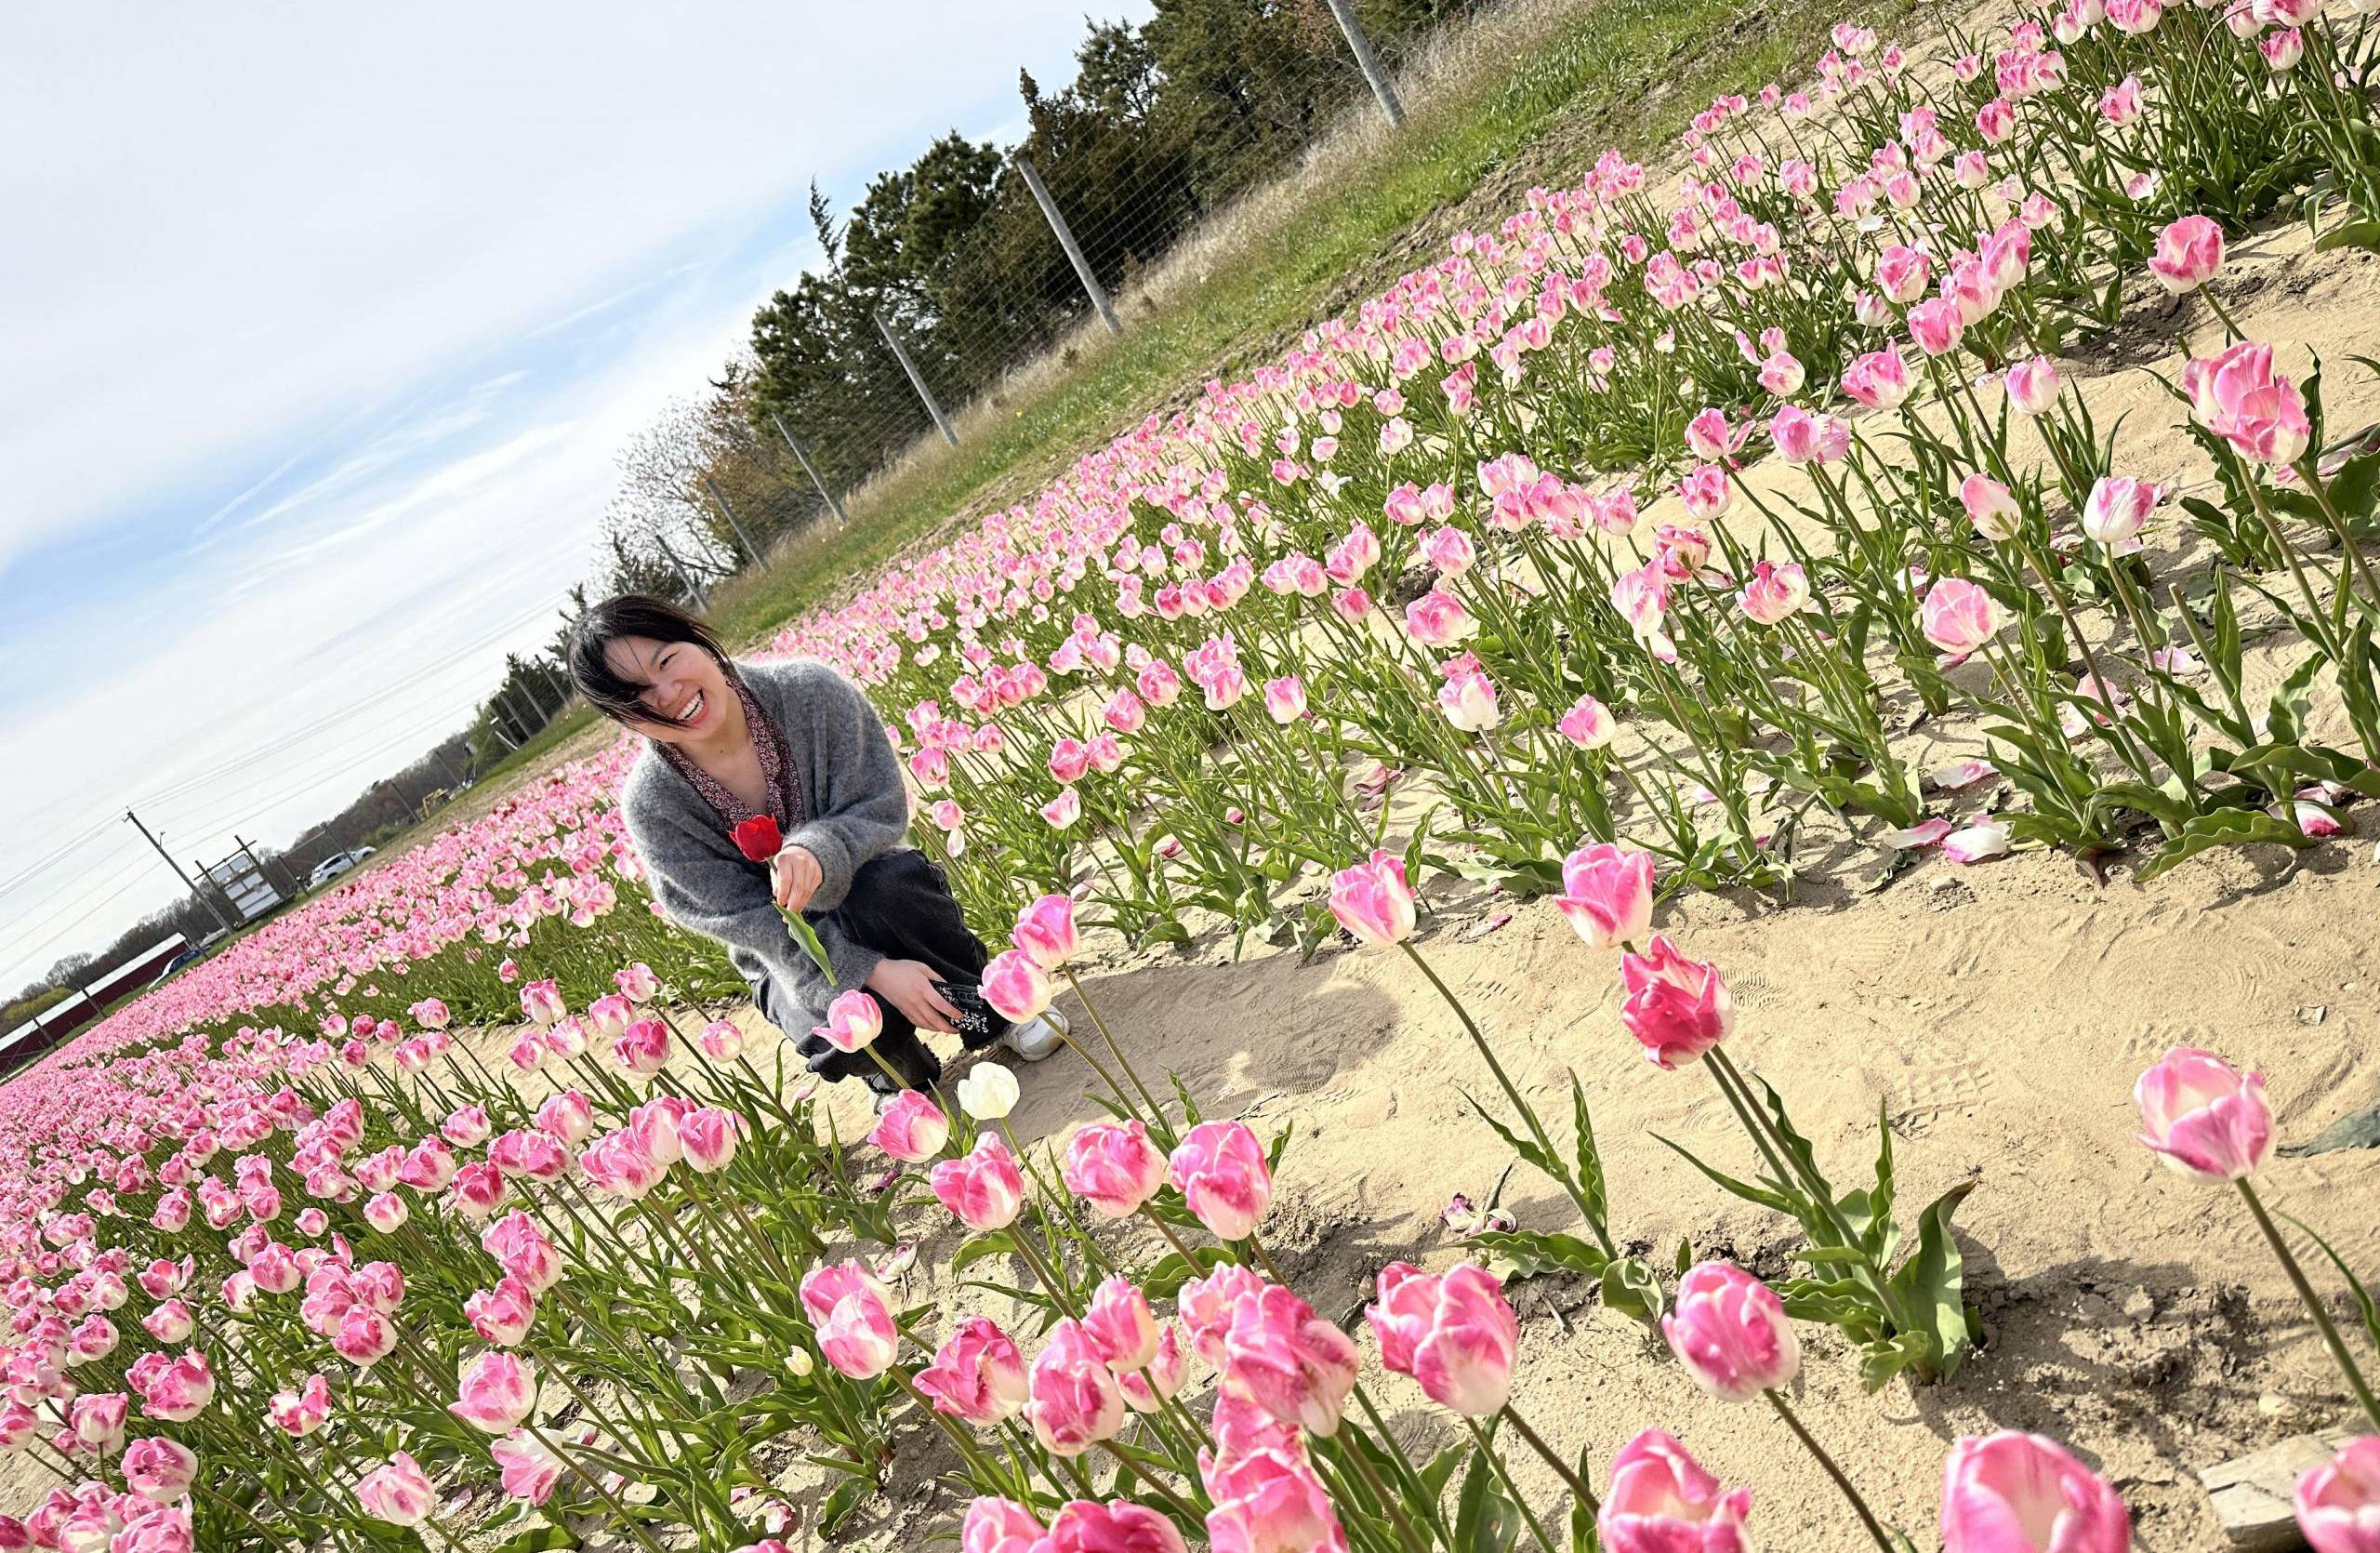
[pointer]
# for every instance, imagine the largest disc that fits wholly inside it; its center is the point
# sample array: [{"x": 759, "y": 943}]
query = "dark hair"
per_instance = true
[{"x": 614, "y": 695}]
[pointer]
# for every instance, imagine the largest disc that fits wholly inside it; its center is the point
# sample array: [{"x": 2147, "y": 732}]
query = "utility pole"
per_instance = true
[
  {"x": 693, "y": 589},
  {"x": 810, "y": 469},
  {"x": 1065, "y": 236},
  {"x": 916, "y": 381},
  {"x": 751, "y": 551},
  {"x": 220, "y": 921},
  {"x": 1368, "y": 62}
]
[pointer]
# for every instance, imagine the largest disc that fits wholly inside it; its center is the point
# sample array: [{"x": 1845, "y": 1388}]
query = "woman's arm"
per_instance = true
[
  {"x": 704, "y": 887},
  {"x": 859, "y": 808}
]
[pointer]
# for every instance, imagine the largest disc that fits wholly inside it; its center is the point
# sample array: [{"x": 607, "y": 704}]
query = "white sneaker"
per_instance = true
[{"x": 1036, "y": 1037}]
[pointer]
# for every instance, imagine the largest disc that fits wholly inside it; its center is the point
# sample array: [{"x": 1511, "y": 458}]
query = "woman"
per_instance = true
[{"x": 797, "y": 742}]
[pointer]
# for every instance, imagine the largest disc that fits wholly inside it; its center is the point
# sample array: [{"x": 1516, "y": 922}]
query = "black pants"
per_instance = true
[{"x": 899, "y": 906}]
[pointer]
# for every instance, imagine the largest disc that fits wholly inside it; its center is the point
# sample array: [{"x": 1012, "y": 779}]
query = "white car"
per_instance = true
[{"x": 335, "y": 864}]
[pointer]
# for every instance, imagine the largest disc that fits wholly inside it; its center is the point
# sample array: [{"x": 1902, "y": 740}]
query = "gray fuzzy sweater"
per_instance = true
[{"x": 858, "y": 809}]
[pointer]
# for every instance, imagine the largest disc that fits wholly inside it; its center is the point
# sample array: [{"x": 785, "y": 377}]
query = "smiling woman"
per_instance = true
[{"x": 795, "y": 743}]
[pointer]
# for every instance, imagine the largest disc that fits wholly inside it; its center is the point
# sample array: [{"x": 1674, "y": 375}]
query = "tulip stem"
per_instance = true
[
  {"x": 1563, "y": 1469},
  {"x": 1172, "y": 1239},
  {"x": 1174, "y": 1501},
  {"x": 1406, "y": 1529},
  {"x": 1157, "y": 1111},
  {"x": 609, "y": 1500},
  {"x": 1503, "y": 1475},
  {"x": 1859, "y": 1506},
  {"x": 1536, "y": 1129},
  {"x": 2330, "y": 1331}
]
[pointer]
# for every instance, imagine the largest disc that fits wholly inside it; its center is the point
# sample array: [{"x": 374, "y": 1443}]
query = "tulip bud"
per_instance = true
[{"x": 1729, "y": 1330}]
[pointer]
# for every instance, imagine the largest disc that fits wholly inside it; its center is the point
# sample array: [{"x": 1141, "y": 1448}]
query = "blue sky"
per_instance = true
[{"x": 325, "y": 328}]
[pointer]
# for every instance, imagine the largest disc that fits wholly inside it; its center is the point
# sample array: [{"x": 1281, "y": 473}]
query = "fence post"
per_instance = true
[
  {"x": 1074, "y": 250},
  {"x": 916, "y": 381},
  {"x": 1368, "y": 62},
  {"x": 751, "y": 551},
  {"x": 685, "y": 577},
  {"x": 810, "y": 469}
]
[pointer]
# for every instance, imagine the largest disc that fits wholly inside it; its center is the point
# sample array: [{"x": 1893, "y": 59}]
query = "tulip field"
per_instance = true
[{"x": 1957, "y": 464}]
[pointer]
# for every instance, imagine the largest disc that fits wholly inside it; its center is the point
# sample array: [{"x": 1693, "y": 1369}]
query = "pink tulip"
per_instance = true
[
  {"x": 1729, "y": 1330},
  {"x": 1045, "y": 932},
  {"x": 637, "y": 983},
  {"x": 2014, "y": 1493},
  {"x": 1015, "y": 985},
  {"x": 300, "y": 1412},
  {"x": 1372, "y": 901},
  {"x": 2031, "y": 385},
  {"x": 2239, "y": 397},
  {"x": 2202, "y": 1118},
  {"x": 1936, "y": 327},
  {"x": 855, "y": 1331},
  {"x": 1120, "y": 1324},
  {"x": 1991, "y": 508},
  {"x": 977, "y": 1375},
  {"x": 609, "y": 1014},
  {"x": 1000, "y": 1526},
  {"x": 708, "y": 1136},
  {"x": 853, "y": 1021},
  {"x": 1456, "y": 1334},
  {"x": 1157, "y": 1381},
  {"x": 1588, "y": 723},
  {"x": 159, "y": 1468},
  {"x": 466, "y": 1127},
  {"x": 911, "y": 1128},
  {"x": 1676, "y": 1008},
  {"x": 1438, "y": 619},
  {"x": 1118, "y": 1526},
  {"x": 1074, "y": 1403},
  {"x": 179, "y": 1390},
  {"x": 527, "y": 1468},
  {"x": 1449, "y": 550},
  {"x": 1958, "y": 617},
  {"x": 2189, "y": 254},
  {"x": 1902, "y": 274},
  {"x": 1285, "y": 700},
  {"x": 169, "y": 1323},
  {"x": 642, "y": 1048},
  {"x": 497, "y": 1392},
  {"x": 523, "y": 1249},
  {"x": 1607, "y": 893},
  {"x": 2338, "y": 1503},
  {"x": 502, "y": 1315},
  {"x": 1221, "y": 1171},
  {"x": 541, "y": 1002},
  {"x": 397, "y": 1491},
  {"x": 1773, "y": 593},
  {"x": 620, "y": 1164},
  {"x": 98, "y": 1420},
  {"x": 1662, "y": 1500},
  {"x": 1468, "y": 696},
  {"x": 984, "y": 1188},
  {"x": 568, "y": 1116},
  {"x": 1112, "y": 1166},
  {"x": 2118, "y": 507},
  {"x": 1268, "y": 1501},
  {"x": 1878, "y": 379},
  {"x": 1292, "y": 1363},
  {"x": 722, "y": 1041}
]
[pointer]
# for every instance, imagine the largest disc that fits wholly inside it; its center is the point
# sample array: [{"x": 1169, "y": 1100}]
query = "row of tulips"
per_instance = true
[
  {"x": 1691, "y": 562},
  {"x": 634, "y": 1293}
]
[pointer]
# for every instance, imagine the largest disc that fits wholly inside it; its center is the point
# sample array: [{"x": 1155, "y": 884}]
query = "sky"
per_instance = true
[{"x": 324, "y": 325}]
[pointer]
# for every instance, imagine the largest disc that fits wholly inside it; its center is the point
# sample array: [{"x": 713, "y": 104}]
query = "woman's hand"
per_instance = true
[
  {"x": 795, "y": 875},
  {"x": 908, "y": 985}
]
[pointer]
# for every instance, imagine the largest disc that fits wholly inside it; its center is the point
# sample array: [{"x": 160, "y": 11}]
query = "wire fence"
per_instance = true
[{"x": 853, "y": 373}]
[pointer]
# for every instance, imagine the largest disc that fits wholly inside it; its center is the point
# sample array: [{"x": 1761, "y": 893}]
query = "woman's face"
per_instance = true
[{"x": 684, "y": 689}]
